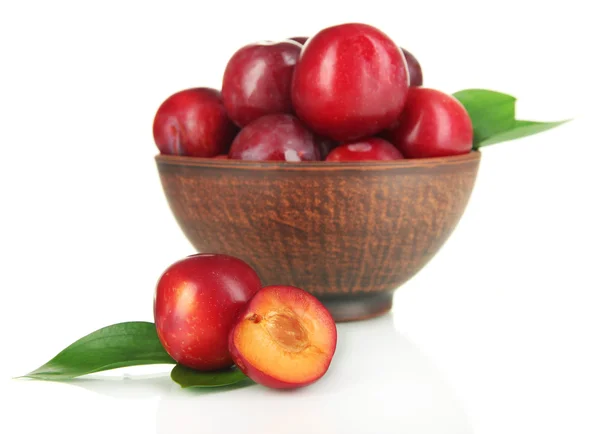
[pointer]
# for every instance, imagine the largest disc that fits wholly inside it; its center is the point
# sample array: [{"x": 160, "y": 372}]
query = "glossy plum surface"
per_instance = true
[
  {"x": 257, "y": 80},
  {"x": 370, "y": 149},
  {"x": 284, "y": 338},
  {"x": 415, "y": 73},
  {"x": 193, "y": 122},
  {"x": 433, "y": 124},
  {"x": 196, "y": 302},
  {"x": 275, "y": 138},
  {"x": 350, "y": 82}
]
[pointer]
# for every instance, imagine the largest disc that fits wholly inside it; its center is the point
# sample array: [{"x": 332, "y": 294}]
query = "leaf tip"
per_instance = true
[{"x": 31, "y": 376}]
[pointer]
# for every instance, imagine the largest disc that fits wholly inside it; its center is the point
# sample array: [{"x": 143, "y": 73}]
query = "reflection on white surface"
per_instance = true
[
  {"x": 379, "y": 382},
  {"x": 128, "y": 387}
]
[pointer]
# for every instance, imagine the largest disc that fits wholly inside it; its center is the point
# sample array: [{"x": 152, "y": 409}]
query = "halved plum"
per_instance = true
[{"x": 285, "y": 338}]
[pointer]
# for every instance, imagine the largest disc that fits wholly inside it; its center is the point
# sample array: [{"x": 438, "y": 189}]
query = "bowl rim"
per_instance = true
[{"x": 473, "y": 156}]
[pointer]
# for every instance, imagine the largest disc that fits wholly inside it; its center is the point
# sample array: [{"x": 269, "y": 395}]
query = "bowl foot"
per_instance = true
[{"x": 358, "y": 308}]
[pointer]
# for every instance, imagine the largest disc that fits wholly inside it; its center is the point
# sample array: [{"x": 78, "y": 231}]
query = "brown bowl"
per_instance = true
[{"x": 349, "y": 233}]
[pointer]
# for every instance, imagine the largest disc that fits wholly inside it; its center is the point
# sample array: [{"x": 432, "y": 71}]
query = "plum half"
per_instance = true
[{"x": 285, "y": 338}]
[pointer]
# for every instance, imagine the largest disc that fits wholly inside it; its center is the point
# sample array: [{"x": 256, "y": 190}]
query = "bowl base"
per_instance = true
[{"x": 358, "y": 308}]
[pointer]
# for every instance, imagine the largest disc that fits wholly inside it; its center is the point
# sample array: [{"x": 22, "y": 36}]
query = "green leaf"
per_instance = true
[
  {"x": 491, "y": 112},
  {"x": 115, "y": 346},
  {"x": 493, "y": 117},
  {"x": 521, "y": 129},
  {"x": 187, "y": 377}
]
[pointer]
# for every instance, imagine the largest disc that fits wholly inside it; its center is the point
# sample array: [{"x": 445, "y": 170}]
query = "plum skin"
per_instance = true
[
  {"x": 276, "y": 137},
  {"x": 371, "y": 149},
  {"x": 196, "y": 302},
  {"x": 194, "y": 123},
  {"x": 415, "y": 72},
  {"x": 350, "y": 82},
  {"x": 432, "y": 124},
  {"x": 257, "y": 80}
]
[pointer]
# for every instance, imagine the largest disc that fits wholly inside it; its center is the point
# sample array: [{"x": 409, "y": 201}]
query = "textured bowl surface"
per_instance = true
[{"x": 350, "y": 233}]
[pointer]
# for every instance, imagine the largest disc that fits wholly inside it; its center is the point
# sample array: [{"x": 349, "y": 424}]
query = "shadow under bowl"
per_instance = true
[{"x": 349, "y": 233}]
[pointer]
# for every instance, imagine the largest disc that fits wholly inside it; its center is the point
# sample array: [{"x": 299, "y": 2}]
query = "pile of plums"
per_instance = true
[{"x": 347, "y": 93}]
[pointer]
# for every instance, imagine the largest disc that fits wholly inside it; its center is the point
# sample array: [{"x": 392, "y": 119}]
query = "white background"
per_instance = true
[{"x": 499, "y": 334}]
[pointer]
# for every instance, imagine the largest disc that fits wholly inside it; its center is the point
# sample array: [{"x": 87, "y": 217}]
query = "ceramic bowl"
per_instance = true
[{"x": 349, "y": 233}]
